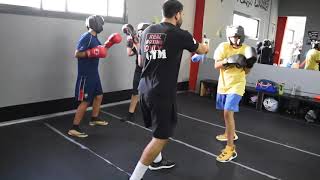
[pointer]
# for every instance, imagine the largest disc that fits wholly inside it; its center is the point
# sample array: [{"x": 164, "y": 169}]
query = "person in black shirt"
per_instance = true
[
  {"x": 265, "y": 53},
  {"x": 161, "y": 49},
  {"x": 259, "y": 44},
  {"x": 132, "y": 51}
]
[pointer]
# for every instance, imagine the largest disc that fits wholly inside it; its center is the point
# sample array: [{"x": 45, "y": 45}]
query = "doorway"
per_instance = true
[{"x": 292, "y": 41}]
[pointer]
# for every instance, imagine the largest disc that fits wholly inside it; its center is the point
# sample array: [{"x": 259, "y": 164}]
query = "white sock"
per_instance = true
[
  {"x": 139, "y": 171},
  {"x": 158, "y": 158}
]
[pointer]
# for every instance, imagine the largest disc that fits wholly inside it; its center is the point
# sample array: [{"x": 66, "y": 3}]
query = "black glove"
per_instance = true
[
  {"x": 251, "y": 56},
  {"x": 238, "y": 60},
  {"x": 251, "y": 62}
]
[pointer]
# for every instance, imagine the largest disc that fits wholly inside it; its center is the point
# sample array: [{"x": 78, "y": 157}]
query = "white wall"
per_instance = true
[
  {"x": 37, "y": 63},
  {"x": 273, "y": 19},
  {"x": 188, "y": 23}
]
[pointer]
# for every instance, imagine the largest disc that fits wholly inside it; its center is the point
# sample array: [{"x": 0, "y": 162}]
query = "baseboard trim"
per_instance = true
[{"x": 23, "y": 111}]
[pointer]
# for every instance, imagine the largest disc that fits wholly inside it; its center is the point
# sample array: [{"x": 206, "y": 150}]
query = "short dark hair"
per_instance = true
[{"x": 171, "y": 7}]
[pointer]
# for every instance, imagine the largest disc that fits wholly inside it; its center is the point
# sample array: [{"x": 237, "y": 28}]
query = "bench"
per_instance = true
[{"x": 208, "y": 87}]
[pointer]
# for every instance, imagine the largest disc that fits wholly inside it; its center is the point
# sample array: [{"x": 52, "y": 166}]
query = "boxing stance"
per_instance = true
[
  {"x": 160, "y": 53},
  {"x": 88, "y": 86},
  {"x": 234, "y": 60},
  {"x": 132, "y": 50}
]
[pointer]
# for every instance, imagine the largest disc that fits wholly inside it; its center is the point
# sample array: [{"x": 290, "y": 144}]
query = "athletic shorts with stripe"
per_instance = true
[{"x": 87, "y": 87}]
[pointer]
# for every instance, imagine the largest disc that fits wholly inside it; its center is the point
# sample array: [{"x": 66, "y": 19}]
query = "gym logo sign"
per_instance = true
[{"x": 154, "y": 46}]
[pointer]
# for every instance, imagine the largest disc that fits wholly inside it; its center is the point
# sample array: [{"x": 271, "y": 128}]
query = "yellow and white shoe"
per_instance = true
[
  {"x": 98, "y": 122},
  {"x": 223, "y": 137},
  {"x": 76, "y": 133},
  {"x": 227, "y": 154}
]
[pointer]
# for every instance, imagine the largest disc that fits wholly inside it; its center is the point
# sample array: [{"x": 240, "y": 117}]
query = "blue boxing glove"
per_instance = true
[{"x": 197, "y": 57}]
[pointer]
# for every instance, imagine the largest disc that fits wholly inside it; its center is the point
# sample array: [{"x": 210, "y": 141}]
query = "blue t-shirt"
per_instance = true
[{"x": 87, "y": 66}]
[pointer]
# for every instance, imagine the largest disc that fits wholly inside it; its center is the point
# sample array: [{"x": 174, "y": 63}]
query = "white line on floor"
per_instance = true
[
  {"x": 85, "y": 148},
  {"x": 250, "y": 135},
  {"x": 196, "y": 148}
]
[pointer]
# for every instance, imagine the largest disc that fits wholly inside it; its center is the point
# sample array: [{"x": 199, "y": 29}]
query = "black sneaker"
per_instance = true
[
  {"x": 130, "y": 117},
  {"x": 163, "y": 164}
]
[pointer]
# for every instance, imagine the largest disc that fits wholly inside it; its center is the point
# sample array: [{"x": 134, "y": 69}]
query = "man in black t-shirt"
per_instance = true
[
  {"x": 265, "y": 52},
  {"x": 160, "y": 52}
]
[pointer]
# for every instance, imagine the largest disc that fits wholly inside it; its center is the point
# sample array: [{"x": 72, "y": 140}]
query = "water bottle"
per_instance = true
[{"x": 281, "y": 88}]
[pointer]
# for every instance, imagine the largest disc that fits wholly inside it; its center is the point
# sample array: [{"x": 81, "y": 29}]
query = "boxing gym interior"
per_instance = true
[{"x": 277, "y": 127}]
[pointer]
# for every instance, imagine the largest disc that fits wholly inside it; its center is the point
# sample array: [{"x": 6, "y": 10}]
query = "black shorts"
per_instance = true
[
  {"x": 136, "y": 80},
  {"x": 162, "y": 112}
]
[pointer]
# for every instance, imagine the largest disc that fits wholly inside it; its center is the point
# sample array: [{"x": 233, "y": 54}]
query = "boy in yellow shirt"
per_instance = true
[
  {"x": 313, "y": 57},
  {"x": 234, "y": 60}
]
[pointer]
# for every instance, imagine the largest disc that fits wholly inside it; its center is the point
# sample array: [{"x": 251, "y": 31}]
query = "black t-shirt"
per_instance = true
[
  {"x": 138, "y": 68},
  {"x": 161, "y": 50},
  {"x": 134, "y": 50},
  {"x": 266, "y": 55}
]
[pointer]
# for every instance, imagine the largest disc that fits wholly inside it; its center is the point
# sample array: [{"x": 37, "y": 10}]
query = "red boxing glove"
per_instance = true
[
  {"x": 97, "y": 52},
  {"x": 114, "y": 38}
]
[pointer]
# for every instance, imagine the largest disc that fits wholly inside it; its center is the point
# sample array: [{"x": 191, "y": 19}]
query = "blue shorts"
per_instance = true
[
  {"x": 229, "y": 102},
  {"x": 88, "y": 87}
]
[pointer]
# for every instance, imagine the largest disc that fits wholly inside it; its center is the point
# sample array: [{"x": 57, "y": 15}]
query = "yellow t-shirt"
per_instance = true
[
  {"x": 312, "y": 56},
  {"x": 232, "y": 80}
]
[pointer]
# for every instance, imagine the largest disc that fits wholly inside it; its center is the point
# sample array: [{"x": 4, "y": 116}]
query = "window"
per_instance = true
[
  {"x": 81, "y": 6},
  {"x": 116, "y": 8},
  {"x": 250, "y": 25},
  {"x": 112, "y": 10},
  {"x": 56, "y": 5},
  {"x": 29, "y": 3}
]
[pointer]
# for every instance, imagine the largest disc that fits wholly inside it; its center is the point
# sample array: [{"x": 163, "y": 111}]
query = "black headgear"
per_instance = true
[
  {"x": 266, "y": 43},
  {"x": 95, "y": 22},
  {"x": 141, "y": 27}
]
